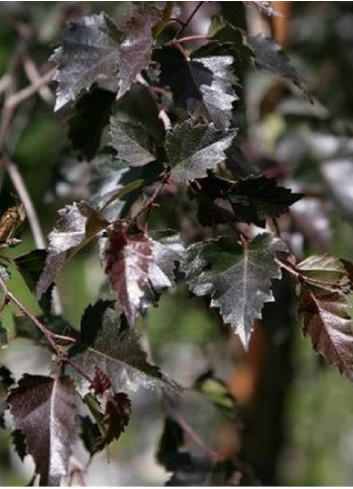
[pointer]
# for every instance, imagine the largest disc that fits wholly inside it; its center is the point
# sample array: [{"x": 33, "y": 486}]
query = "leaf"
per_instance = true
[
  {"x": 256, "y": 197},
  {"x": 86, "y": 123},
  {"x": 237, "y": 278},
  {"x": 264, "y": 7},
  {"x": 328, "y": 323},
  {"x": 116, "y": 418},
  {"x": 270, "y": 56},
  {"x": 203, "y": 84},
  {"x": 6, "y": 381},
  {"x": 78, "y": 224},
  {"x": 19, "y": 442},
  {"x": 234, "y": 40},
  {"x": 90, "y": 434},
  {"x": 324, "y": 273},
  {"x": 252, "y": 199},
  {"x": 107, "y": 341},
  {"x": 89, "y": 52},
  {"x": 31, "y": 266},
  {"x": 43, "y": 409},
  {"x": 136, "y": 48},
  {"x": 193, "y": 149},
  {"x": 131, "y": 142},
  {"x": 115, "y": 186},
  {"x": 139, "y": 268}
]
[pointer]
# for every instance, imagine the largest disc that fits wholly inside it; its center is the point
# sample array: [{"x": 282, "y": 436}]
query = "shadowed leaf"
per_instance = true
[
  {"x": 203, "y": 85},
  {"x": 270, "y": 56},
  {"x": 109, "y": 342},
  {"x": 44, "y": 410},
  {"x": 86, "y": 123}
]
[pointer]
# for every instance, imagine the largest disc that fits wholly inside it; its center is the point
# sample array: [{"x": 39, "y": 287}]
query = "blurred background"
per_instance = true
[{"x": 294, "y": 416}]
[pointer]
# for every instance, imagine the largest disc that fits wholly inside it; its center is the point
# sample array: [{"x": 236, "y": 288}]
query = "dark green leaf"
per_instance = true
[
  {"x": 238, "y": 278},
  {"x": 139, "y": 268},
  {"x": 89, "y": 52},
  {"x": 131, "y": 142},
  {"x": 19, "y": 442},
  {"x": 86, "y": 124},
  {"x": 270, "y": 56},
  {"x": 194, "y": 149},
  {"x": 203, "y": 84},
  {"x": 78, "y": 224},
  {"x": 6, "y": 381},
  {"x": 90, "y": 434},
  {"x": 108, "y": 342},
  {"x": 257, "y": 197},
  {"x": 43, "y": 409}
]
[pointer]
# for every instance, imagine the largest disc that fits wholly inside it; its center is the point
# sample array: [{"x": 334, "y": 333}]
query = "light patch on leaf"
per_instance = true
[{"x": 78, "y": 224}]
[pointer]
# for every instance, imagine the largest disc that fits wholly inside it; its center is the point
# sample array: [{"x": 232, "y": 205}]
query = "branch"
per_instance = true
[
  {"x": 189, "y": 19},
  {"x": 49, "y": 335},
  {"x": 33, "y": 76},
  {"x": 27, "y": 92}
]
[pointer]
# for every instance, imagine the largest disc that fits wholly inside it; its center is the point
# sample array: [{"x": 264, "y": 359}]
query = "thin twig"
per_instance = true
[
  {"x": 149, "y": 204},
  {"x": 189, "y": 19},
  {"x": 196, "y": 37},
  {"x": 33, "y": 76},
  {"x": 189, "y": 430},
  {"x": 48, "y": 334},
  {"x": 27, "y": 92}
]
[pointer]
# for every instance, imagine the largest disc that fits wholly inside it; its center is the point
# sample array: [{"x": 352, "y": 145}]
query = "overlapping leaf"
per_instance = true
[
  {"x": 44, "y": 410},
  {"x": 203, "y": 84},
  {"x": 194, "y": 149},
  {"x": 270, "y": 56},
  {"x": 131, "y": 142},
  {"x": 238, "y": 278},
  {"x": 107, "y": 341},
  {"x": 112, "y": 419},
  {"x": 252, "y": 199},
  {"x": 325, "y": 273},
  {"x": 328, "y": 323},
  {"x": 136, "y": 47},
  {"x": 78, "y": 224},
  {"x": 139, "y": 268},
  {"x": 89, "y": 52}
]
